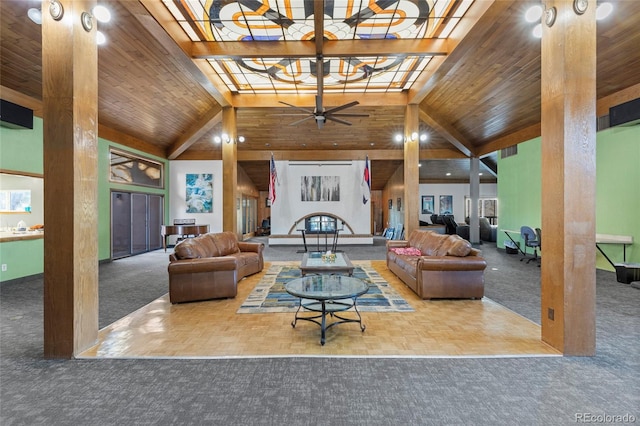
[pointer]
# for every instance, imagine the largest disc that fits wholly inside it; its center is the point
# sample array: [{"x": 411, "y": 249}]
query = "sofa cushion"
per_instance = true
[
  {"x": 189, "y": 249},
  {"x": 227, "y": 243}
]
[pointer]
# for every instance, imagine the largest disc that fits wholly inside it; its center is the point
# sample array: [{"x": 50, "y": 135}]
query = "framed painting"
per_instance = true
[
  {"x": 427, "y": 204},
  {"x": 399, "y": 203},
  {"x": 390, "y": 204},
  {"x": 446, "y": 204},
  {"x": 199, "y": 192}
]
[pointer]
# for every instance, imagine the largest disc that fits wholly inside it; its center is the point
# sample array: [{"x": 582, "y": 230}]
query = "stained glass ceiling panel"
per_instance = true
[{"x": 294, "y": 20}]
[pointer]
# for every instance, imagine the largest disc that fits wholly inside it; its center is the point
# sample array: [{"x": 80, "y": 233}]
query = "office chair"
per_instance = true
[{"x": 530, "y": 240}]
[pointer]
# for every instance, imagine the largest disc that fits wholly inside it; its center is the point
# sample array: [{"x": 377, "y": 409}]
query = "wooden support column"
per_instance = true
[
  {"x": 230, "y": 171},
  {"x": 70, "y": 117},
  {"x": 474, "y": 194},
  {"x": 568, "y": 180},
  {"x": 411, "y": 173}
]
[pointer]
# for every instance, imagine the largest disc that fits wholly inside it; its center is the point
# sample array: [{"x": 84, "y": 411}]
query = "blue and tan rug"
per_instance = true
[{"x": 269, "y": 294}]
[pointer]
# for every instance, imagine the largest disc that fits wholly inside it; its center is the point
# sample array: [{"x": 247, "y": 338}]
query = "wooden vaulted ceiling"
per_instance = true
[{"x": 482, "y": 95}]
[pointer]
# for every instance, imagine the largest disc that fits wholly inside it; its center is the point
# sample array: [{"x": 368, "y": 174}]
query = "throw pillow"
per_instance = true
[{"x": 409, "y": 251}]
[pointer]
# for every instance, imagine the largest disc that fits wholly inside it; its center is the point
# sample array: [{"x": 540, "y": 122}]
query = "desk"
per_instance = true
[
  {"x": 625, "y": 240},
  {"x": 508, "y": 232}
]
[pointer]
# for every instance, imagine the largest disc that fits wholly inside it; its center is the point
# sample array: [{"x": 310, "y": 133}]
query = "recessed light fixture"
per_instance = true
[
  {"x": 267, "y": 144},
  {"x": 533, "y": 14},
  {"x": 241, "y": 139},
  {"x": 480, "y": 174},
  {"x": 398, "y": 137},
  {"x": 448, "y": 174},
  {"x": 419, "y": 164},
  {"x": 35, "y": 15},
  {"x": 424, "y": 137},
  {"x": 603, "y": 11}
]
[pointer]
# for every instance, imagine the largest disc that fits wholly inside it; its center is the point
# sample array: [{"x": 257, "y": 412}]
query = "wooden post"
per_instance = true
[
  {"x": 568, "y": 179},
  {"x": 411, "y": 171},
  {"x": 230, "y": 172},
  {"x": 70, "y": 117}
]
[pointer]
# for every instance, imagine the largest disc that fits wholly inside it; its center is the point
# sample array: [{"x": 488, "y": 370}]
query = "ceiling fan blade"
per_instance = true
[
  {"x": 308, "y": 111},
  {"x": 337, "y": 120},
  {"x": 349, "y": 115},
  {"x": 341, "y": 107},
  {"x": 300, "y": 121}
]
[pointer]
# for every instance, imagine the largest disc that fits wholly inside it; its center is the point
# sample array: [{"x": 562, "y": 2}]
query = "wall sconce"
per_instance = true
[
  {"x": 580, "y": 6},
  {"x": 56, "y": 10},
  {"x": 413, "y": 137},
  {"x": 225, "y": 138},
  {"x": 550, "y": 16},
  {"x": 101, "y": 14}
]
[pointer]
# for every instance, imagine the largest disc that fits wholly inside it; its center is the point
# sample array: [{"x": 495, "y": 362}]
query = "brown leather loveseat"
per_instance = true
[
  {"x": 209, "y": 266},
  {"x": 437, "y": 266}
]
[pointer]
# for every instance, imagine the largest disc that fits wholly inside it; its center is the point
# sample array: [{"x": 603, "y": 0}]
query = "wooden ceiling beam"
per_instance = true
[
  {"x": 424, "y": 83},
  {"x": 308, "y": 49},
  {"x": 168, "y": 32},
  {"x": 199, "y": 129},
  {"x": 448, "y": 132},
  {"x": 626, "y": 95},
  {"x": 308, "y": 100}
]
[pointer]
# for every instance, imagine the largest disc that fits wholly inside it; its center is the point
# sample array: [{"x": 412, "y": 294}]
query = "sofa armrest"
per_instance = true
[
  {"x": 397, "y": 243},
  {"x": 254, "y": 247},
  {"x": 208, "y": 264},
  {"x": 451, "y": 263}
]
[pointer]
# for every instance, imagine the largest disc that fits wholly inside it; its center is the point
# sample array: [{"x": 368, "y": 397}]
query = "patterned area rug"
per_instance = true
[{"x": 269, "y": 294}]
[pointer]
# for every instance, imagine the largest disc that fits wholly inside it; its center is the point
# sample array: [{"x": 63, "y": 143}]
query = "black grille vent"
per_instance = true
[{"x": 509, "y": 151}]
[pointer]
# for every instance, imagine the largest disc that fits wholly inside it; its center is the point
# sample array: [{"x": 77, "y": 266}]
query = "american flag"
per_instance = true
[
  {"x": 366, "y": 180},
  {"x": 273, "y": 177}
]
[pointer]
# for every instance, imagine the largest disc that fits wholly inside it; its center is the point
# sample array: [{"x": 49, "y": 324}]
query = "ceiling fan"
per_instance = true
[{"x": 321, "y": 115}]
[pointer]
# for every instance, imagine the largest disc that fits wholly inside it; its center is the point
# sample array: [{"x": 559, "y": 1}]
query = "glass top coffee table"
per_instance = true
[
  {"x": 327, "y": 294},
  {"x": 314, "y": 262}
]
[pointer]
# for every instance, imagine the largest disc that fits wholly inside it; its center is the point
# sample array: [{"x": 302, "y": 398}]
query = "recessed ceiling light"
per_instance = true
[
  {"x": 424, "y": 137},
  {"x": 533, "y": 14},
  {"x": 217, "y": 139},
  {"x": 603, "y": 11},
  {"x": 304, "y": 144},
  {"x": 398, "y": 137},
  {"x": 35, "y": 15},
  {"x": 448, "y": 174},
  {"x": 372, "y": 144},
  {"x": 480, "y": 174},
  {"x": 419, "y": 164},
  {"x": 537, "y": 31},
  {"x": 335, "y": 144},
  {"x": 267, "y": 144}
]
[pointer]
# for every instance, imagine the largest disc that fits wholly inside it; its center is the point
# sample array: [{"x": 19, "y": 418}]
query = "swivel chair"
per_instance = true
[{"x": 530, "y": 240}]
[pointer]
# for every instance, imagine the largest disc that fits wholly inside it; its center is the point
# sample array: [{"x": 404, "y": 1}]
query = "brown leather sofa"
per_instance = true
[
  {"x": 209, "y": 266},
  {"x": 438, "y": 266}
]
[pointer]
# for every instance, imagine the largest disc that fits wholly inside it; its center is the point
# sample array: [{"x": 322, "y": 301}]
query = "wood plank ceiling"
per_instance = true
[{"x": 482, "y": 96}]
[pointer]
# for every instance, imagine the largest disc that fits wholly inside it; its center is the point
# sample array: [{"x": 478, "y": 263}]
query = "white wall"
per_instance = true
[
  {"x": 288, "y": 207},
  {"x": 178, "y": 170},
  {"x": 459, "y": 192}
]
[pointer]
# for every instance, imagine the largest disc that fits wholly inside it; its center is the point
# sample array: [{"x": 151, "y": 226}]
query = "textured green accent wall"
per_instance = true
[
  {"x": 21, "y": 150},
  {"x": 617, "y": 190}
]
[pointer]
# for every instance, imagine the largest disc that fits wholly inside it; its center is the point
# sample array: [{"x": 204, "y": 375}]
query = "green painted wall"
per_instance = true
[
  {"x": 617, "y": 190},
  {"x": 21, "y": 150}
]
